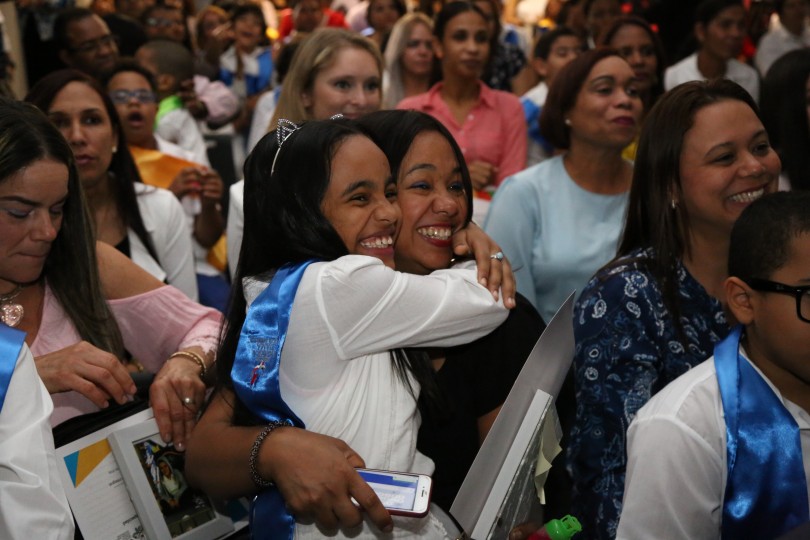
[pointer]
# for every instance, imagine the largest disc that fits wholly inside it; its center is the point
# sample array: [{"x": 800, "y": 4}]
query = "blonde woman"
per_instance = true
[
  {"x": 334, "y": 71},
  {"x": 408, "y": 59}
]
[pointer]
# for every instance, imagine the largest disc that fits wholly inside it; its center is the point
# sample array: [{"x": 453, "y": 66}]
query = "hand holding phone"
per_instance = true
[{"x": 402, "y": 494}]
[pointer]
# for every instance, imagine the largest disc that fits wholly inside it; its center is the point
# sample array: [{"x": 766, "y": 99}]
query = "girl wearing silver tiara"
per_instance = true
[{"x": 320, "y": 344}]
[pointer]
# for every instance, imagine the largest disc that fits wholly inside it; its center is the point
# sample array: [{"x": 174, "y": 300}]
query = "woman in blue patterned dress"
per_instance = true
[{"x": 656, "y": 310}]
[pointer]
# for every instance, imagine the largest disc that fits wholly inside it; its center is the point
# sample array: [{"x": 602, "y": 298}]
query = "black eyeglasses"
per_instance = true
[
  {"x": 123, "y": 96},
  {"x": 93, "y": 45},
  {"x": 801, "y": 294}
]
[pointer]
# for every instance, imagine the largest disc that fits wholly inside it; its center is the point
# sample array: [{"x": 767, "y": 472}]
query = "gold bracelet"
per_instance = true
[{"x": 193, "y": 357}]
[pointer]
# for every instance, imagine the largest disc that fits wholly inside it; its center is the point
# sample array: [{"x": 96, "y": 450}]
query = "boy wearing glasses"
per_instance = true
[{"x": 724, "y": 450}]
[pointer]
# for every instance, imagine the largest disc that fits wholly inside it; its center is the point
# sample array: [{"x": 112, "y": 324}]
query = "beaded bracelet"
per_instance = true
[
  {"x": 193, "y": 357},
  {"x": 254, "y": 453}
]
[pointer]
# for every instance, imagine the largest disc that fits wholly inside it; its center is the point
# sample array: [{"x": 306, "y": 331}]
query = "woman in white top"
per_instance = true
[
  {"x": 145, "y": 223},
  {"x": 341, "y": 369}
]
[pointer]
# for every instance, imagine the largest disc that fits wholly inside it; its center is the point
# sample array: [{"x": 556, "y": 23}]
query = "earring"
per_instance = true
[
  {"x": 567, "y": 121},
  {"x": 114, "y": 149},
  {"x": 674, "y": 204}
]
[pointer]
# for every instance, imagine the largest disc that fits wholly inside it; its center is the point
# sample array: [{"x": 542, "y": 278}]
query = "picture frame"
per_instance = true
[{"x": 167, "y": 506}]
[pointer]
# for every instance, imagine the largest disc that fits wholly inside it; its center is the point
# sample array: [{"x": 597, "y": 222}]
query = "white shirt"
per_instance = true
[
  {"x": 535, "y": 153},
  {"x": 201, "y": 264},
  {"x": 33, "y": 501},
  {"x": 262, "y": 114},
  {"x": 777, "y": 42},
  {"x": 687, "y": 70},
  {"x": 165, "y": 223},
  {"x": 336, "y": 371},
  {"x": 236, "y": 224},
  {"x": 180, "y": 128},
  {"x": 676, "y": 468}
]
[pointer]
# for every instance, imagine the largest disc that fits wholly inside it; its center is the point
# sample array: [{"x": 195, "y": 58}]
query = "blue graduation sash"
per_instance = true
[
  {"x": 11, "y": 342},
  {"x": 766, "y": 490},
  {"x": 255, "y": 380}
]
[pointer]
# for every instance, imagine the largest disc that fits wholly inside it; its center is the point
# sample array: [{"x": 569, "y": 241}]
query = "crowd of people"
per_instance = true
[{"x": 319, "y": 237}]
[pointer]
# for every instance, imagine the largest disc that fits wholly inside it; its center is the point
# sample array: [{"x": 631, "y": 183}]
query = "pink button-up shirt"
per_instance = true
[{"x": 494, "y": 130}]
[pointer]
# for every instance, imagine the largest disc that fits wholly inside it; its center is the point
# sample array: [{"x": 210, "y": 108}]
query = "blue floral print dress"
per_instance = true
[{"x": 627, "y": 349}]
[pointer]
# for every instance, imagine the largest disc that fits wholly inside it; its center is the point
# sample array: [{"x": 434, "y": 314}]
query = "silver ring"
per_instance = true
[
  {"x": 497, "y": 256},
  {"x": 188, "y": 401}
]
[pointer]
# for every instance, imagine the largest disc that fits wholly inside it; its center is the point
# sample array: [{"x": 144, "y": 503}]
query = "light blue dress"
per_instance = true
[{"x": 555, "y": 234}]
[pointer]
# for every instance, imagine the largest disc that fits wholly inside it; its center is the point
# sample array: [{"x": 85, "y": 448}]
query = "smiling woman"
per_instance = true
[
  {"x": 560, "y": 220},
  {"x": 317, "y": 246},
  {"x": 656, "y": 310}
]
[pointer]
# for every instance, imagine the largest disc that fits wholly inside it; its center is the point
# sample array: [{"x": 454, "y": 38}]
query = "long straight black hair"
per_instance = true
[
  {"x": 652, "y": 220},
  {"x": 122, "y": 168},
  {"x": 284, "y": 223},
  {"x": 27, "y": 136}
]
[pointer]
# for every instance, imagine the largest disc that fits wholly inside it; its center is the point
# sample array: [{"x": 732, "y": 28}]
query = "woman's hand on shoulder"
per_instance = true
[
  {"x": 97, "y": 375},
  {"x": 493, "y": 272},
  {"x": 120, "y": 277},
  {"x": 317, "y": 478},
  {"x": 176, "y": 396}
]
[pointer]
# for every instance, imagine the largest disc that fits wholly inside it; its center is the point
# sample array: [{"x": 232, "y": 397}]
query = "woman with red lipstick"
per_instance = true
[
  {"x": 560, "y": 220},
  {"x": 656, "y": 310},
  {"x": 147, "y": 224},
  {"x": 487, "y": 124},
  {"x": 434, "y": 196},
  {"x": 314, "y": 203}
]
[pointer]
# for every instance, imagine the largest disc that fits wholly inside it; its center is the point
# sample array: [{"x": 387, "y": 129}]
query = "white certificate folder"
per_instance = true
[{"x": 500, "y": 484}]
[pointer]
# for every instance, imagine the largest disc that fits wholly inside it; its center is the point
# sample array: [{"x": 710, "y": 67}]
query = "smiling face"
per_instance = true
[
  {"x": 350, "y": 85},
  {"x": 31, "y": 204},
  {"x": 608, "y": 108},
  {"x": 723, "y": 37},
  {"x": 432, "y": 199},
  {"x": 726, "y": 163},
  {"x": 137, "y": 112},
  {"x": 359, "y": 200},
  {"x": 636, "y": 46},
  {"x": 78, "y": 113},
  {"x": 464, "y": 47},
  {"x": 417, "y": 58}
]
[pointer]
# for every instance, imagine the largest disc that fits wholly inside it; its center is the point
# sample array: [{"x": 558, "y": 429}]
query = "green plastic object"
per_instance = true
[{"x": 563, "y": 529}]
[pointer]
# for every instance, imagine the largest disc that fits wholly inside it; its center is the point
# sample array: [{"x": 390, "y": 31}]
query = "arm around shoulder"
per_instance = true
[{"x": 370, "y": 308}]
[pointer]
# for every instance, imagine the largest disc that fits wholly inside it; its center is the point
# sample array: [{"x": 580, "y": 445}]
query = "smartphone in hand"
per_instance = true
[{"x": 402, "y": 494}]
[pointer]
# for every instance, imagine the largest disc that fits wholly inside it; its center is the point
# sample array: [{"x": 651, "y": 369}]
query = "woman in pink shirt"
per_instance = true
[
  {"x": 82, "y": 304},
  {"x": 487, "y": 124}
]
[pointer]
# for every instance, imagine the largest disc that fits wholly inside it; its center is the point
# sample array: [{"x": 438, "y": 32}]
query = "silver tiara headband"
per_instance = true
[{"x": 284, "y": 129}]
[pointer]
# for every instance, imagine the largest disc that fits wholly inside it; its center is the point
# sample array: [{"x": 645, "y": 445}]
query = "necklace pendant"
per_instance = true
[{"x": 11, "y": 314}]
